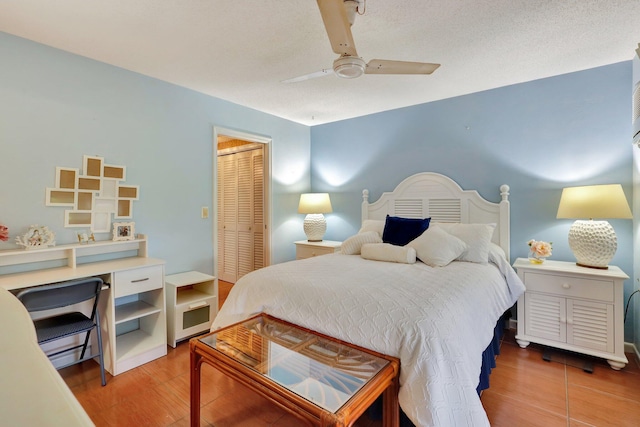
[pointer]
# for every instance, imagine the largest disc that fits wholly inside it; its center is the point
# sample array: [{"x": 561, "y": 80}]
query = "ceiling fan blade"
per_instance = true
[
  {"x": 383, "y": 66},
  {"x": 336, "y": 22},
  {"x": 321, "y": 73}
]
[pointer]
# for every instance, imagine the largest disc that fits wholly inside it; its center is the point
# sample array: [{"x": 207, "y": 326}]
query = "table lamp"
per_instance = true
[
  {"x": 314, "y": 205},
  {"x": 593, "y": 243}
]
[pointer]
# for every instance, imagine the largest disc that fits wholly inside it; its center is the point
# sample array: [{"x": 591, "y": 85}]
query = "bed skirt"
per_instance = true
[{"x": 488, "y": 363}]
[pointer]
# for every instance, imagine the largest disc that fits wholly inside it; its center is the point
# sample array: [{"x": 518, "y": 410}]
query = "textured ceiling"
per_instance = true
[{"x": 241, "y": 50}]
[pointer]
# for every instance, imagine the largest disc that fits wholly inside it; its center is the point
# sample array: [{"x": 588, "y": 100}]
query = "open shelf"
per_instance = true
[
  {"x": 190, "y": 296},
  {"x": 134, "y": 310},
  {"x": 135, "y": 343},
  {"x": 72, "y": 253}
]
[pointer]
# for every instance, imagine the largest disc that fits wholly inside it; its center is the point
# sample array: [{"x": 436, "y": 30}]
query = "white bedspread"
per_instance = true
[{"x": 438, "y": 321}]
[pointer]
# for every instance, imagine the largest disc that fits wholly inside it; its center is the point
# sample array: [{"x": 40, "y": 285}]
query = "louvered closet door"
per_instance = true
[
  {"x": 258, "y": 209},
  {"x": 245, "y": 202},
  {"x": 250, "y": 211},
  {"x": 227, "y": 218},
  {"x": 241, "y": 203}
]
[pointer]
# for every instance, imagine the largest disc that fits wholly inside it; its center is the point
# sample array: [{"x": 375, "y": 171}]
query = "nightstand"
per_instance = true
[
  {"x": 307, "y": 249},
  {"x": 573, "y": 308},
  {"x": 192, "y": 304}
]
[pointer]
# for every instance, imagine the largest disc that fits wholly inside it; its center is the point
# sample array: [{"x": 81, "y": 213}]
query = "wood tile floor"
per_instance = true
[{"x": 525, "y": 391}]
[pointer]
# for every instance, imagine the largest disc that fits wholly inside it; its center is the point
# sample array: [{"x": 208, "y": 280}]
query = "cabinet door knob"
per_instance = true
[{"x": 566, "y": 285}]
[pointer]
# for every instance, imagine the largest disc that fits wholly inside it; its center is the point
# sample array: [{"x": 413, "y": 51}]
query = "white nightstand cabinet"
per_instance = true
[
  {"x": 192, "y": 304},
  {"x": 573, "y": 308},
  {"x": 307, "y": 249}
]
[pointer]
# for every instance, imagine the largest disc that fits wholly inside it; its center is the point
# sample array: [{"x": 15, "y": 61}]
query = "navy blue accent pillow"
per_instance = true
[{"x": 400, "y": 231}]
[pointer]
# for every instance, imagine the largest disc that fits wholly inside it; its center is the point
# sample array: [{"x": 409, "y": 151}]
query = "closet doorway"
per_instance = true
[{"x": 242, "y": 208}]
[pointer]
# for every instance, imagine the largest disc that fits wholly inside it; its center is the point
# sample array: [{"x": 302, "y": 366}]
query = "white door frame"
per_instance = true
[{"x": 251, "y": 137}]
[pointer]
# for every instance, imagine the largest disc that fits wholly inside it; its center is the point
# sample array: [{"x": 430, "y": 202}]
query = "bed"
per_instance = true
[{"x": 438, "y": 317}]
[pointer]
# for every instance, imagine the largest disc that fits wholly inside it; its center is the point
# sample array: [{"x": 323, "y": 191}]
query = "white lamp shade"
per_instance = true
[
  {"x": 314, "y": 203},
  {"x": 593, "y": 243},
  {"x": 594, "y": 201}
]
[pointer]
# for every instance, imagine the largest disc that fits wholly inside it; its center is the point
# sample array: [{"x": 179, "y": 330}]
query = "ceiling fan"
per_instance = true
[{"x": 338, "y": 16}]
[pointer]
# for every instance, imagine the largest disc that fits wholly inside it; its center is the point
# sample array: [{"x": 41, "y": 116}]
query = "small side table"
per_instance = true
[
  {"x": 192, "y": 304},
  {"x": 307, "y": 249}
]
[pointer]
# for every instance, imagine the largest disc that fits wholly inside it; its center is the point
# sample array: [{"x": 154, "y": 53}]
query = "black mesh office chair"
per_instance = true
[{"x": 64, "y": 294}]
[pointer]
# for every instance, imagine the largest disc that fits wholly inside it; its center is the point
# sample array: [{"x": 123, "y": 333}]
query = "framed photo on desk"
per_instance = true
[{"x": 123, "y": 231}]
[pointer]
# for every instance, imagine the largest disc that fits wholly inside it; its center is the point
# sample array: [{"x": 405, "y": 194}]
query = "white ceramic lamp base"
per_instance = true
[
  {"x": 314, "y": 227},
  {"x": 593, "y": 243}
]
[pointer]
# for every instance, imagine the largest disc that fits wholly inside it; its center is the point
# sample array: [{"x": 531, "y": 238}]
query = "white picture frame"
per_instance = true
[{"x": 123, "y": 231}]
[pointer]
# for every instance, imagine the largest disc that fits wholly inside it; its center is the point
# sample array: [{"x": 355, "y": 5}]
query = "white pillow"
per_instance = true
[
  {"x": 437, "y": 248},
  {"x": 496, "y": 254},
  {"x": 476, "y": 236},
  {"x": 372, "y": 225},
  {"x": 388, "y": 252},
  {"x": 352, "y": 245}
]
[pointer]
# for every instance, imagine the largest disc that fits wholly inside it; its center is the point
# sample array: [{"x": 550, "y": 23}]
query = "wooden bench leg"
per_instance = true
[
  {"x": 390, "y": 406},
  {"x": 196, "y": 367}
]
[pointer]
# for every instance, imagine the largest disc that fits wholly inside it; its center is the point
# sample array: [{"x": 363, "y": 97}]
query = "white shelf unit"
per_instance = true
[
  {"x": 192, "y": 304},
  {"x": 132, "y": 309}
]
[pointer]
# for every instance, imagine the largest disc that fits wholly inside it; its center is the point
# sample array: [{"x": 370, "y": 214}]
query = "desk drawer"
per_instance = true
[
  {"x": 569, "y": 286},
  {"x": 128, "y": 282}
]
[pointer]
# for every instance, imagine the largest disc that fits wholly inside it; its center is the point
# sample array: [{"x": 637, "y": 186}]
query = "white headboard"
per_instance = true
[{"x": 429, "y": 194}]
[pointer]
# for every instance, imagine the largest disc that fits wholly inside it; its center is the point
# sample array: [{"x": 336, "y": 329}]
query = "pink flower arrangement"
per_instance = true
[
  {"x": 4, "y": 233},
  {"x": 540, "y": 249}
]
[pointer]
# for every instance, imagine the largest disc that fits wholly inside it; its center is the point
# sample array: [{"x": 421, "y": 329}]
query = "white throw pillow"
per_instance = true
[
  {"x": 372, "y": 225},
  {"x": 437, "y": 248},
  {"x": 388, "y": 252},
  {"x": 496, "y": 254},
  {"x": 476, "y": 236},
  {"x": 352, "y": 245}
]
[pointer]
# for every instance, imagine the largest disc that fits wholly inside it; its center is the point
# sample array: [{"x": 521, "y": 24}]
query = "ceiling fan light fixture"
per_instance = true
[{"x": 349, "y": 67}]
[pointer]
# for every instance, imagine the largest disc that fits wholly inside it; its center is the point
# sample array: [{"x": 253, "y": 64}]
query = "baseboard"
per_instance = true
[{"x": 629, "y": 347}]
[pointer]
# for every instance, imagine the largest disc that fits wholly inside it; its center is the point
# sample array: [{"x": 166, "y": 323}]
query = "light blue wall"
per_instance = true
[
  {"x": 56, "y": 107},
  {"x": 537, "y": 137}
]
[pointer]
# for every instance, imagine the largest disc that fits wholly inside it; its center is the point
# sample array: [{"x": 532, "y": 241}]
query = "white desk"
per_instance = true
[{"x": 132, "y": 311}]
